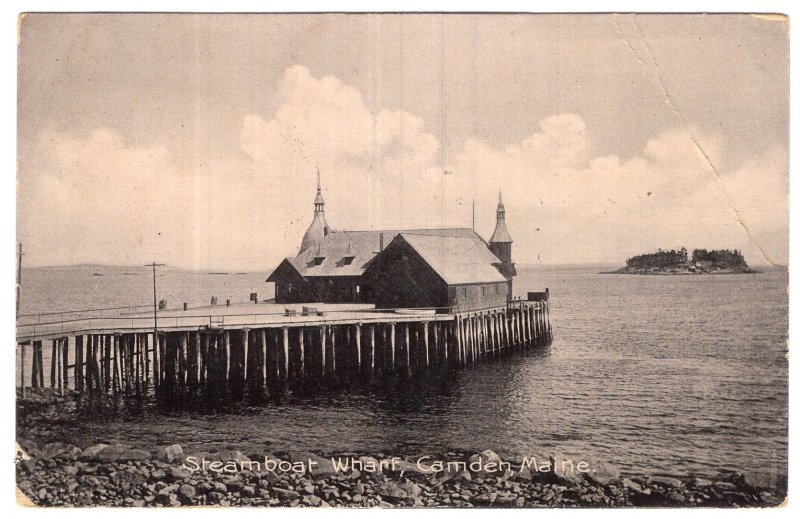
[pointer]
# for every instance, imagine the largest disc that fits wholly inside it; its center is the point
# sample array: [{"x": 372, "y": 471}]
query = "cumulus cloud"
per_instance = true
[{"x": 98, "y": 198}]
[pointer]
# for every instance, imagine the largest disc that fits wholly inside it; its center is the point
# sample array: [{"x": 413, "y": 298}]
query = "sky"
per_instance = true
[{"x": 194, "y": 140}]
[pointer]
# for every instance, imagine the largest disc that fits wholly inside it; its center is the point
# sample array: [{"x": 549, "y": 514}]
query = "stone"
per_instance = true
[
  {"x": 187, "y": 491},
  {"x": 309, "y": 488},
  {"x": 70, "y": 469},
  {"x": 631, "y": 485},
  {"x": 487, "y": 464},
  {"x": 759, "y": 480},
  {"x": 247, "y": 491},
  {"x": 666, "y": 481},
  {"x": 701, "y": 483},
  {"x": 90, "y": 453},
  {"x": 227, "y": 455},
  {"x": 391, "y": 490},
  {"x": 564, "y": 470},
  {"x": 233, "y": 482},
  {"x": 312, "y": 500},
  {"x": 524, "y": 474},
  {"x": 601, "y": 473},
  {"x": 285, "y": 493},
  {"x": 412, "y": 489},
  {"x": 179, "y": 473},
  {"x": 724, "y": 485},
  {"x": 170, "y": 453}
]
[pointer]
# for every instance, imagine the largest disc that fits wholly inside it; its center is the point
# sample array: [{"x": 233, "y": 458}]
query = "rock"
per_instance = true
[
  {"x": 759, "y": 480},
  {"x": 285, "y": 493},
  {"x": 59, "y": 450},
  {"x": 391, "y": 490},
  {"x": 700, "y": 483},
  {"x": 179, "y": 473},
  {"x": 519, "y": 502},
  {"x": 524, "y": 474},
  {"x": 233, "y": 482},
  {"x": 309, "y": 488},
  {"x": 486, "y": 464},
  {"x": 724, "y": 485},
  {"x": 70, "y": 469},
  {"x": 358, "y": 498},
  {"x": 170, "y": 453},
  {"x": 631, "y": 485},
  {"x": 412, "y": 489},
  {"x": 226, "y": 456},
  {"x": 601, "y": 473},
  {"x": 312, "y": 500},
  {"x": 666, "y": 481},
  {"x": 564, "y": 471},
  {"x": 247, "y": 491},
  {"x": 187, "y": 491},
  {"x": 90, "y": 453}
]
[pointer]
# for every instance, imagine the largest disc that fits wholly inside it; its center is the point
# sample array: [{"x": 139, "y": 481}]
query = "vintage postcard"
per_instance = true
[{"x": 402, "y": 260}]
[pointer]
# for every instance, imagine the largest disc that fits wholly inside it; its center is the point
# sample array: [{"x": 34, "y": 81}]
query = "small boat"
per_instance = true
[{"x": 97, "y": 274}]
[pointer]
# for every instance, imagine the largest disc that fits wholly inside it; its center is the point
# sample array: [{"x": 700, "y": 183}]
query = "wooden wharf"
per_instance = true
[{"x": 232, "y": 352}]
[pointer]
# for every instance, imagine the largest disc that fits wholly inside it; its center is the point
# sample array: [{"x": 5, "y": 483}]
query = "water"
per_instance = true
[{"x": 656, "y": 374}]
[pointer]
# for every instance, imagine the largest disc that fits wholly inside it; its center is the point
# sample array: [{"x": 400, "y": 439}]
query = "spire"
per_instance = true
[
  {"x": 319, "y": 227},
  {"x": 500, "y": 234},
  {"x": 319, "y": 203}
]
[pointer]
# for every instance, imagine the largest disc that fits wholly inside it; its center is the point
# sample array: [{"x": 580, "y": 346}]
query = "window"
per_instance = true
[
  {"x": 483, "y": 291},
  {"x": 358, "y": 289},
  {"x": 464, "y": 291},
  {"x": 497, "y": 289},
  {"x": 318, "y": 260},
  {"x": 347, "y": 260}
]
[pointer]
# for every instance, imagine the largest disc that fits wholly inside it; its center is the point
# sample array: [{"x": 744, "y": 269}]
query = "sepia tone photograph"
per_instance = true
[{"x": 431, "y": 260}]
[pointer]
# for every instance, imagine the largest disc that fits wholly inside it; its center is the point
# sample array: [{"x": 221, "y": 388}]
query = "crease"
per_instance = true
[{"x": 718, "y": 180}]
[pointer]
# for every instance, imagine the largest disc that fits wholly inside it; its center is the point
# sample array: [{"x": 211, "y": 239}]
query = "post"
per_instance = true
[
  {"x": 372, "y": 348},
  {"x": 425, "y": 340},
  {"x": 408, "y": 346},
  {"x": 246, "y": 340},
  {"x": 22, "y": 368},
  {"x": 333, "y": 350},
  {"x": 155, "y": 301},
  {"x": 53, "y": 357},
  {"x": 302, "y": 347},
  {"x": 358, "y": 346},
  {"x": 285, "y": 352},
  {"x": 264, "y": 355},
  {"x": 392, "y": 337},
  {"x": 323, "y": 334}
]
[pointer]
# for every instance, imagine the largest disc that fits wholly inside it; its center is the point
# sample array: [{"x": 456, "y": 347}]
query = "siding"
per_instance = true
[{"x": 477, "y": 296}]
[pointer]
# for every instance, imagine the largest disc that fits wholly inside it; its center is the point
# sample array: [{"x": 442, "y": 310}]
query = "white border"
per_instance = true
[{"x": 11, "y": 8}]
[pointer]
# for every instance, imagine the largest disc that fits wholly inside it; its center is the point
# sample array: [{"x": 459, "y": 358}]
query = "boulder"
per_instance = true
[
  {"x": 666, "y": 481},
  {"x": 563, "y": 470},
  {"x": 90, "y": 453},
  {"x": 481, "y": 460},
  {"x": 187, "y": 491},
  {"x": 631, "y": 485},
  {"x": 170, "y": 453},
  {"x": 391, "y": 490},
  {"x": 602, "y": 473}
]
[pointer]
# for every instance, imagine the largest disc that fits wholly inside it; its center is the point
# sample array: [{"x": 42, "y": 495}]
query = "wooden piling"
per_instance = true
[
  {"x": 285, "y": 352},
  {"x": 358, "y": 346},
  {"x": 22, "y": 368},
  {"x": 372, "y": 348},
  {"x": 392, "y": 333}
]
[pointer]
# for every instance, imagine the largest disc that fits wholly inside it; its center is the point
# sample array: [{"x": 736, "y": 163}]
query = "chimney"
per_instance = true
[{"x": 381, "y": 246}]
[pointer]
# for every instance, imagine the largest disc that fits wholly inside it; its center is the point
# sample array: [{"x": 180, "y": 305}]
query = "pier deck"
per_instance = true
[{"x": 256, "y": 349}]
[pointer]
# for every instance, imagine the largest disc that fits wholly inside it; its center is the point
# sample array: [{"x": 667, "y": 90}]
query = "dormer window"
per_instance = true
[
  {"x": 348, "y": 260},
  {"x": 318, "y": 260}
]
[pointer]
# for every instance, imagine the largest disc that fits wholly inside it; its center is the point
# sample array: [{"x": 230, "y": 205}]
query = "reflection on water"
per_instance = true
[{"x": 653, "y": 373}]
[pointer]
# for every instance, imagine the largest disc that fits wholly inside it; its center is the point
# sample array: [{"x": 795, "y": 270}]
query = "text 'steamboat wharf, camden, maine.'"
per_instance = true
[{"x": 349, "y": 303}]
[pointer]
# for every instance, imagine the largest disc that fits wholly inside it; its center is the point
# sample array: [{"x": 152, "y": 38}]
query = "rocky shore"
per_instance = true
[{"x": 58, "y": 474}]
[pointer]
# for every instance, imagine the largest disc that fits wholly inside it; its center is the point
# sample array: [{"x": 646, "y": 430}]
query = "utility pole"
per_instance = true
[
  {"x": 155, "y": 303},
  {"x": 19, "y": 274}
]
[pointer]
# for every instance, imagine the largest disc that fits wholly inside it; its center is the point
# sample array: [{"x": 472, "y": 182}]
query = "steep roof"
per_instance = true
[
  {"x": 348, "y": 253},
  {"x": 457, "y": 259}
]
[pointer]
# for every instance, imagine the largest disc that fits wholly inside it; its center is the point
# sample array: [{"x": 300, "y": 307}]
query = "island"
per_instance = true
[{"x": 677, "y": 262}]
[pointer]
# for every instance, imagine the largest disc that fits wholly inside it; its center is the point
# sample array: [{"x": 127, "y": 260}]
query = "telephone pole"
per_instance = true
[
  {"x": 155, "y": 303},
  {"x": 19, "y": 274}
]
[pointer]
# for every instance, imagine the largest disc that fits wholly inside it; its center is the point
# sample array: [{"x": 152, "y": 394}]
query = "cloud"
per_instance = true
[{"x": 99, "y": 198}]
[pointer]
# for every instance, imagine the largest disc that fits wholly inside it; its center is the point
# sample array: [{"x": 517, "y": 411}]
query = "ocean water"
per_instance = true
[{"x": 655, "y": 374}]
